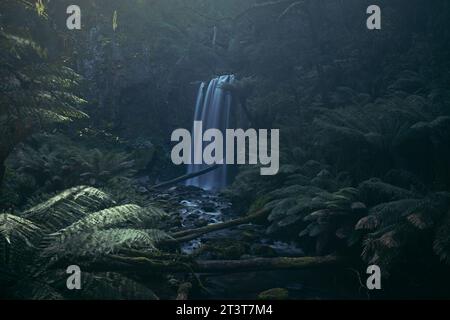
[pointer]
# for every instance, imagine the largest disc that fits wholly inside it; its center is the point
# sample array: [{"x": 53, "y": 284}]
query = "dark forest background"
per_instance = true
[{"x": 364, "y": 118}]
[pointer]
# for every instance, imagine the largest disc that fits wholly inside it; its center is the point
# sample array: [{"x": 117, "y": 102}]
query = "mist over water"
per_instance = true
[{"x": 213, "y": 108}]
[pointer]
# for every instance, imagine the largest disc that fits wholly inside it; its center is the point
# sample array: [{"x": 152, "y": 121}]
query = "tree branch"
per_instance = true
[
  {"x": 257, "y": 6},
  {"x": 188, "y": 235},
  {"x": 186, "y": 177},
  {"x": 289, "y": 8}
]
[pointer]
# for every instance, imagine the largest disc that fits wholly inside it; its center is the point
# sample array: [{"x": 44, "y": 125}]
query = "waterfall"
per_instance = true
[{"x": 213, "y": 108}]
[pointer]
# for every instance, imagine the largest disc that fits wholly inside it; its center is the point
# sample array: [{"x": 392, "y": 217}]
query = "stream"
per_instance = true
[{"x": 197, "y": 207}]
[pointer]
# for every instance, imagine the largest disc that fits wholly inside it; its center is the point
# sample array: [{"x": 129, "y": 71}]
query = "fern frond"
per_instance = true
[
  {"x": 102, "y": 242},
  {"x": 12, "y": 227},
  {"x": 19, "y": 238},
  {"x": 67, "y": 207},
  {"x": 375, "y": 191},
  {"x": 117, "y": 217},
  {"x": 20, "y": 45},
  {"x": 114, "y": 286}
]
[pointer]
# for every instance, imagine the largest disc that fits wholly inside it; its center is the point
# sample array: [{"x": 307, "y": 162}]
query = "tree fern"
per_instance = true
[
  {"x": 67, "y": 207},
  {"x": 30, "y": 256},
  {"x": 36, "y": 91},
  {"x": 101, "y": 167},
  {"x": 375, "y": 191},
  {"x": 396, "y": 229},
  {"x": 334, "y": 218},
  {"x": 56, "y": 162}
]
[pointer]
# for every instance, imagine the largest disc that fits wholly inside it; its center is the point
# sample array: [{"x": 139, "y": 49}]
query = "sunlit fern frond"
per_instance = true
[
  {"x": 67, "y": 207},
  {"x": 92, "y": 245},
  {"x": 12, "y": 226},
  {"x": 63, "y": 104},
  {"x": 19, "y": 46},
  {"x": 19, "y": 238},
  {"x": 37, "y": 92},
  {"x": 41, "y": 9},
  {"x": 130, "y": 215}
]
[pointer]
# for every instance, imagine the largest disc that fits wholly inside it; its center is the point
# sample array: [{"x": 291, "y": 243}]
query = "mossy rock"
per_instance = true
[{"x": 274, "y": 294}]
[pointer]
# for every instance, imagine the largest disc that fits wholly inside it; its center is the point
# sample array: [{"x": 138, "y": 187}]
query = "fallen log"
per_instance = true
[
  {"x": 185, "y": 177},
  {"x": 264, "y": 264},
  {"x": 188, "y": 235},
  {"x": 146, "y": 266}
]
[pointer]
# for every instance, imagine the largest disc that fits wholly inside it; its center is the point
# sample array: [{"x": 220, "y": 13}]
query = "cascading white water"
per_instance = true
[{"x": 213, "y": 108}]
